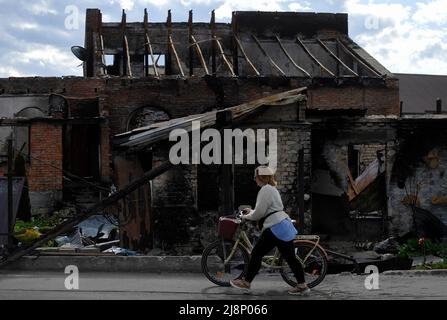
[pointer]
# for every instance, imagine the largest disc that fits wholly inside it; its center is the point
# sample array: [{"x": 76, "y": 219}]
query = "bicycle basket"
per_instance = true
[{"x": 227, "y": 228}]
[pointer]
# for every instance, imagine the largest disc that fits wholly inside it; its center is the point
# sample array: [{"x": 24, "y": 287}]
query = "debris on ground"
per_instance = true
[
  {"x": 121, "y": 251},
  {"x": 390, "y": 245}
]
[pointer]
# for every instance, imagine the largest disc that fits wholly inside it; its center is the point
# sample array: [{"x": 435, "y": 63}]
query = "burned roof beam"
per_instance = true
[
  {"x": 290, "y": 57},
  {"x": 171, "y": 47},
  {"x": 200, "y": 54},
  {"x": 333, "y": 55},
  {"x": 268, "y": 56},
  {"x": 222, "y": 53},
  {"x": 191, "y": 44},
  {"x": 194, "y": 43},
  {"x": 239, "y": 45},
  {"x": 127, "y": 71},
  {"x": 213, "y": 43},
  {"x": 313, "y": 58},
  {"x": 358, "y": 59},
  {"x": 148, "y": 47}
]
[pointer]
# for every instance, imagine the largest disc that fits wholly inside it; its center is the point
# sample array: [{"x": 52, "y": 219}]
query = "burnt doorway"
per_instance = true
[{"x": 81, "y": 150}]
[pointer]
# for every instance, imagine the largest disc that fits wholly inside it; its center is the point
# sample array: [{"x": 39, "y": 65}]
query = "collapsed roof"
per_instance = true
[{"x": 290, "y": 44}]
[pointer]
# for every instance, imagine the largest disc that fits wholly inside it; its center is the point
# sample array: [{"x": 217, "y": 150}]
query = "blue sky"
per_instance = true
[{"x": 405, "y": 36}]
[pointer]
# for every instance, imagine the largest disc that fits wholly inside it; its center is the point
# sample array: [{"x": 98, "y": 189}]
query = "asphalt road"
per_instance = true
[{"x": 100, "y": 286}]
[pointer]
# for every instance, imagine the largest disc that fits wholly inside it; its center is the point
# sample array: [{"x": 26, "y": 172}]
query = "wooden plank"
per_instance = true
[
  {"x": 290, "y": 58},
  {"x": 177, "y": 59},
  {"x": 148, "y": 46},
  {"x": 267, "y": 55},
  {"x": 151, "y": 52},
  {"x": 95, "y": 209},
  {"x": 356, "y": 58},
  {"x": 333, "y": 55},
  {"x": 160, "y": 131},
  {"x": 239, "y": 44},
  {"x": 127, "y": 55},
  {"x": 222, "y": 53},
  {"x": 200, "y": 54},
  {"x": 301, "y": 43}
]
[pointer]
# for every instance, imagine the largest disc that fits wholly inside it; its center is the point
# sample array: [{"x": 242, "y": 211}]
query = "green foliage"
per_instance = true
[
  {"x": 434, "y": 266},
  {"x": 413, "y": 249},
  {"x": 44, "y": 224}
]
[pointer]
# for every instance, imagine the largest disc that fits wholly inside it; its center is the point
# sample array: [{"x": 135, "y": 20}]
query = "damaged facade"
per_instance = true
[{"x": 342, "y": 139}]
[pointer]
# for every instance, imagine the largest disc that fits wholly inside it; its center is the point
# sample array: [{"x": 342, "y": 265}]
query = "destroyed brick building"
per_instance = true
[{"x": 342, "y": 136}]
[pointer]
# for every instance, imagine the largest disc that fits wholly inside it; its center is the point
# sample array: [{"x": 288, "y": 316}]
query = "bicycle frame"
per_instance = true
[{"x": 246, "y": 243}]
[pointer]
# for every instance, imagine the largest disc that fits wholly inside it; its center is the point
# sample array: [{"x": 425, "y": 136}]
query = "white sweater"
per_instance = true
[{"x": 268, "y": 200}]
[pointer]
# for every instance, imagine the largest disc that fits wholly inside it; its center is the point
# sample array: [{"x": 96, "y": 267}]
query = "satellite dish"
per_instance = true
[{"x": 79, "y": 52}]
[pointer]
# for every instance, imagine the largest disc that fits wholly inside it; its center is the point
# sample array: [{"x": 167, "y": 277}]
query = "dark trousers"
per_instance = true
[{"x": 265, "y": 244}]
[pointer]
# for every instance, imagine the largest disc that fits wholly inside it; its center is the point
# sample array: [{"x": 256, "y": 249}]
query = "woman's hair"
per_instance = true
[{"x": 266, "y": 175}]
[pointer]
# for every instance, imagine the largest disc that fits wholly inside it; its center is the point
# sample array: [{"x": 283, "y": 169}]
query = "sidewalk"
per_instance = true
[{"x": 137, "y": 264}]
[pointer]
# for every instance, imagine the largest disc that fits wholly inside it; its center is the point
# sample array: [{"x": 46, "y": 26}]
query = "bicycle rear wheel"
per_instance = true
[
  {"x": 213, "y": 262},
  {"x": 315, "y": 267}
]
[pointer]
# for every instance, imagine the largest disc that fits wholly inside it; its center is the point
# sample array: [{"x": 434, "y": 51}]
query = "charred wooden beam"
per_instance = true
[
  {"x": 333, "y": 55},
  {"x": 127, "y": 57},
  {"x": 213, "y": 43},
  {"x": 169, "y": 53},
  {"x": 103, "y": 56},
  {"x": 239, "y": 45},
  {"x": 200, "y": 54},
  {"x": 235, "y": 48},
  {"x": 95, "y": 209},
  {"x": 358, "y": 59},
  {"x": 267, "y": 55},
  {"x": 177, "y": 59},
  {"x": 148, "y": 47},
  {"x": 191, "y": 41},
  {"x": 313, "y": 58},
  {"x": 224, "y": 58},
  {"x": 290, "y": 58}
]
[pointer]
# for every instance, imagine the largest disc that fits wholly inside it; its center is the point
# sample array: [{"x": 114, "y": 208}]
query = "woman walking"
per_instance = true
[{"x": 277, "y": 231}]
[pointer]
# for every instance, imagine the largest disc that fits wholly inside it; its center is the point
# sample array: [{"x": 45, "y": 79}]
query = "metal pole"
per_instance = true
[
  {"x": 10, "y": 193},
  {"x": 438, "y": 106}
]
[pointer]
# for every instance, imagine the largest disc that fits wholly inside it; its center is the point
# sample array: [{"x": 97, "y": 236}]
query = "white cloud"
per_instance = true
[
  {"x": 6, "y": 72},
  {"x": 226, "y": 9},
  {"x": 41, "y": 7},
  {"x": 302, "y": 6},
  {"x": 431, "y": 12},
  {"x": 127, "y": 5},
  {"x": 45, "y": 56},
  {"x": 396, "y": 36}
]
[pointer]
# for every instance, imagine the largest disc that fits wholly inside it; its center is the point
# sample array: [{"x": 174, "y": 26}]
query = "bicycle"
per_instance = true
[{"x": 227, "y": 258}]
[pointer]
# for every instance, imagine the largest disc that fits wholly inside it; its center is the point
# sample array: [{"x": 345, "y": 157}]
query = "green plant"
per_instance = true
[
  {"x": 434, "y": 266},
  {"x": 415, "y": 248}
]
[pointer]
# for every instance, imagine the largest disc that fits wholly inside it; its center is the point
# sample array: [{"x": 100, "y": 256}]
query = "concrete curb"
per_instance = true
[
  {"x": 147, "y": 264},
  {"x": 438, "y": 272}
]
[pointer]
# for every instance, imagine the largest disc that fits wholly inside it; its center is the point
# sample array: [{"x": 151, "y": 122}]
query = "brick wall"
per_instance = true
[
  {"x": 378, "y": 100},
  {"x": 46, "y": 146},
  {"x": 368, "y": 154}
]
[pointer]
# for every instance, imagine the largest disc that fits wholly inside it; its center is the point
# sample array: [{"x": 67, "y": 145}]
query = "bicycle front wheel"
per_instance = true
[
  {"x": 315, "y": 266},
  {"x": 222, "y": 262}
]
